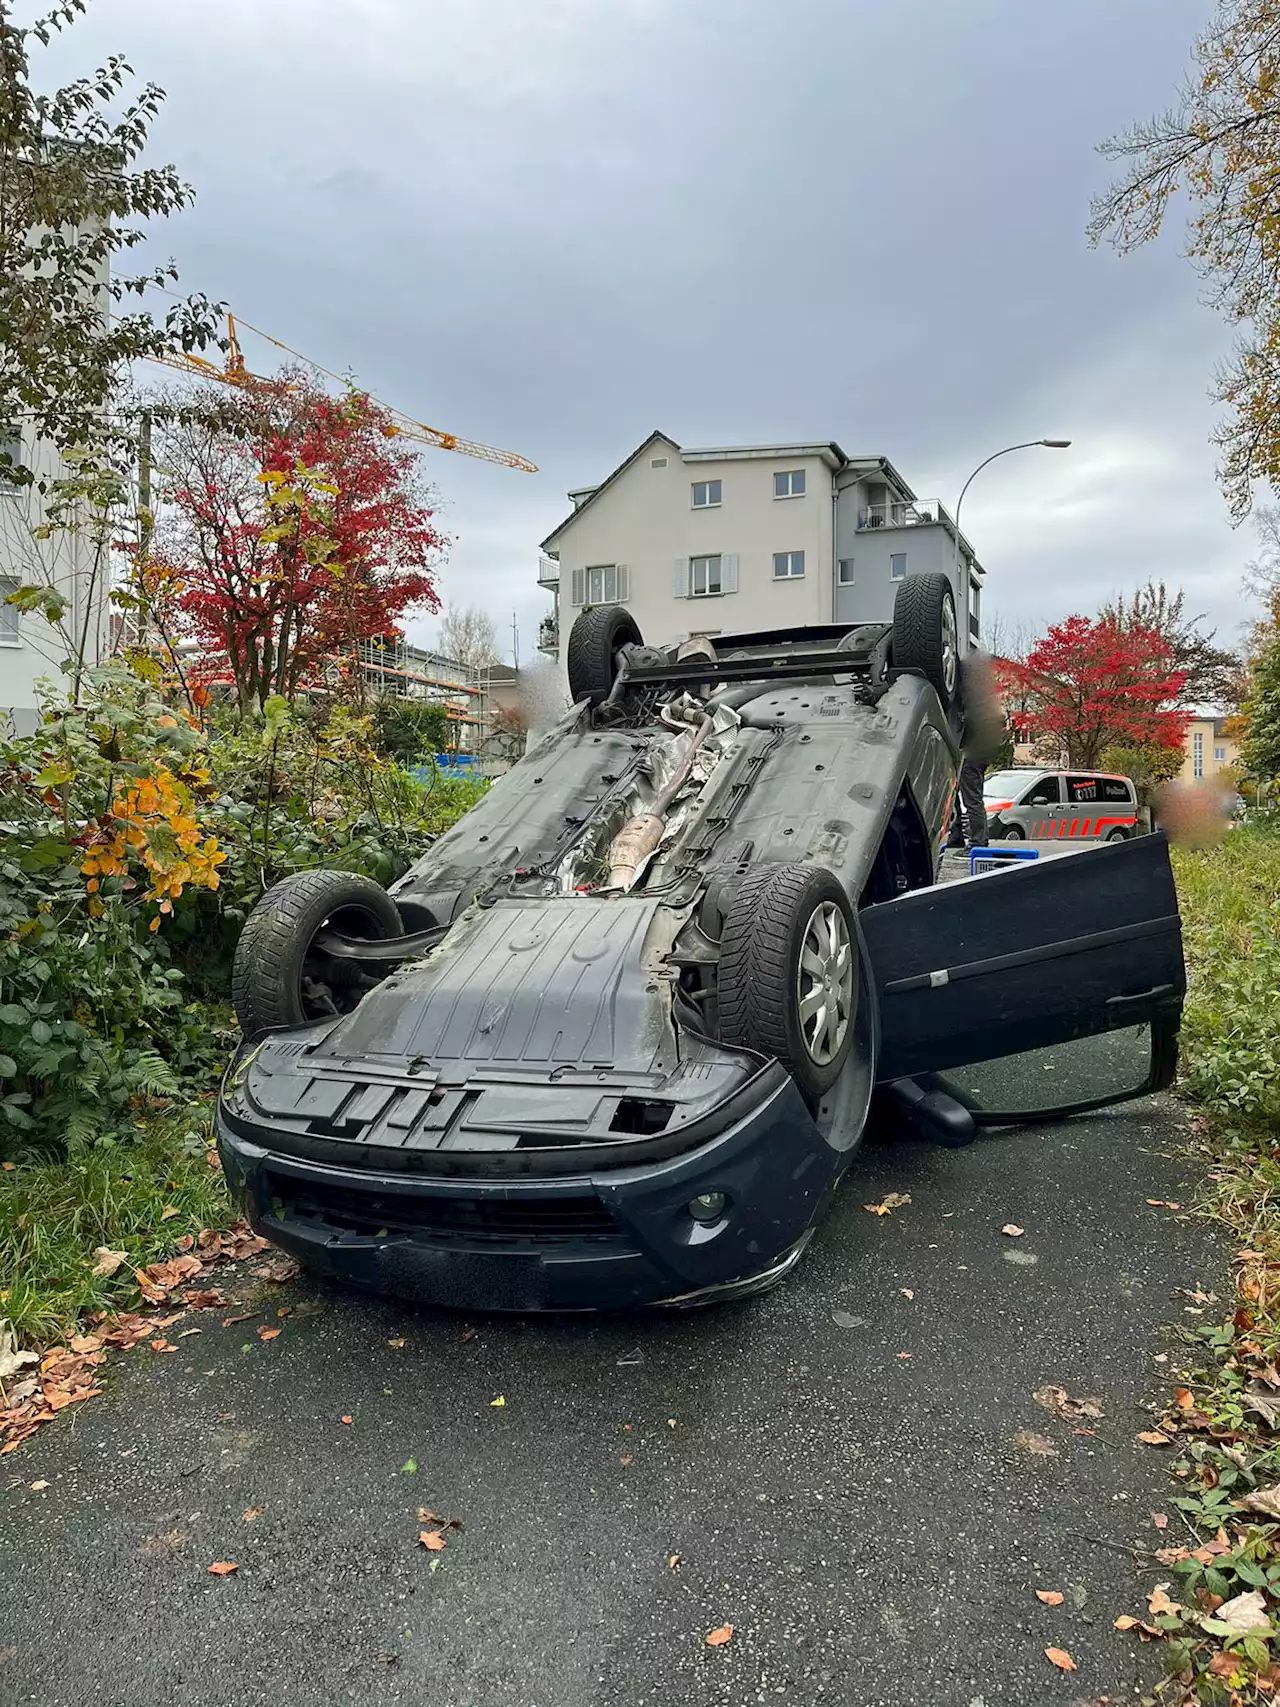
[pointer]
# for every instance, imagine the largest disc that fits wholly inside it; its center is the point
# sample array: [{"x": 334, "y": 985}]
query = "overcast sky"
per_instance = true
[{"x": 555, "y": 225}]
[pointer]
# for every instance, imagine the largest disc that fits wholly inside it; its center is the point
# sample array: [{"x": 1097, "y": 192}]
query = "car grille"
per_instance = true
[{"x": 466, "y": 1220}]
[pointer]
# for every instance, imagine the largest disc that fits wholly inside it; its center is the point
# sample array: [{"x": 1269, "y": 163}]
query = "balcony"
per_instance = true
[
  {"x": 549, "y": 636},
  {"x": 548, "y": 572},
  {"x": 920, "y": 512}
]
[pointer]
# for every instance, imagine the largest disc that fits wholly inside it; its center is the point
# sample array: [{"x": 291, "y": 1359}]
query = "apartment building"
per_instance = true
[
  {"x": 1209, "y": 749},
  {"x": 735, "y": 539}
]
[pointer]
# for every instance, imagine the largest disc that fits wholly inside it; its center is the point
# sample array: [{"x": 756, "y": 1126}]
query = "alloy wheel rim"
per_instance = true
[
  {"x": 950, "y": 647},
  {"x": 825, "y": 983}
]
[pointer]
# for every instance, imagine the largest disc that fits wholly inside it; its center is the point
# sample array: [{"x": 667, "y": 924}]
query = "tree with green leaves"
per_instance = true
[
  {"x": 1220, "y": 142},
  {"x": 1260, "y": 748}
]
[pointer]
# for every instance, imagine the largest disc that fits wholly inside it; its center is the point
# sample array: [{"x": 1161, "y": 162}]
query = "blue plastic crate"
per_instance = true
[{"x": 996, "y": 859}]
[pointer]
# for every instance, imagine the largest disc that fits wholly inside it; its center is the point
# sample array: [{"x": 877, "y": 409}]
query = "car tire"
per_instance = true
[
  {"x": 276, "y": 962},
  {"x": 592, "y": 656},
  {"x": 1014, "y": 833},
  {"x": 925, "y": 635},
  {"x": 1117, "y": 835},
  {"x": 778, "y": 932}
]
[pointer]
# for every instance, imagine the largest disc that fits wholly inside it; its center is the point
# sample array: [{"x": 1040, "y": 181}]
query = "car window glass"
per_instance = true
[
  {"x": 1083, "y": 790},
  {"x": 1082, "y": 1069},
  {"x": 1114, "y": 788},
  {"x": 1045, "y": 793}
]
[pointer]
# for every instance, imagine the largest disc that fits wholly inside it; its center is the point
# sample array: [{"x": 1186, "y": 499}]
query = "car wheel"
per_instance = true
[
  {"x": 1014, "y": 833},
  {"x": 592, "y": 657},
  {"x": 279, "y": 977},
  {"x": 788, "y": 978},
  {"x": 925, "y": 636},
  {"x": 1117, "y": 835}
]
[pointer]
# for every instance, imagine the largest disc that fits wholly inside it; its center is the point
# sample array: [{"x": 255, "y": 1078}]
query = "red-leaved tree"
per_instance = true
[
  {"x": 1090, "y": 684},
  {"x": 297, "y": 526}
]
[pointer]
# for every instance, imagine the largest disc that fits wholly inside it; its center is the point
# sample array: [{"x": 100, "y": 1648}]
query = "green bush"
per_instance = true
[
  {"x": 1230, "y": 899},
  {"x": 410, "y": 731}
]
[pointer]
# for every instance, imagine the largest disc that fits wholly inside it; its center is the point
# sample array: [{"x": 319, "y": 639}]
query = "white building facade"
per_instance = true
[{"x": 740, "y": 539}]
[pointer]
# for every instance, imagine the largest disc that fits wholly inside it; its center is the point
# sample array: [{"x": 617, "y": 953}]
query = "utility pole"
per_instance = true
[{"x": 515, "y": 642}]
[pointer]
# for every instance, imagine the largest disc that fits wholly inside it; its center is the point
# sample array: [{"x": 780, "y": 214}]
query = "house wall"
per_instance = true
[
  {"x": 1202, "y": 761},
  {"x": 929, "y": 547},
  {"x": 646, "y": 521}
]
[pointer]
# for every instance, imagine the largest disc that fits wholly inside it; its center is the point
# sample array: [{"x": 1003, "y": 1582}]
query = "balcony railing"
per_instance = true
[
  {"x": 918, "y": 513},
  {"x": 548, "y": 572},
  {"x": 549, "y": 635}
]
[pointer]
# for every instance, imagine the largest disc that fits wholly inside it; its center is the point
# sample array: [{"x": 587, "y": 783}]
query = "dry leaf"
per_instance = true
[
  {"x": 162, "y": 1345},
  {"x": 1159, "y": 1604},
  {"x": 1160, "y": 1520},
  {"x": 83, "y": 1344},
  {"x": 625, "y": 1458},
  {"x": 222, "y": 1569},
  {"x": 1172, "y": 1555},
  {"x": 718, "y": 1637},
  {"x": 1260, "y": 1396},
  {"x": 1156, "y": 1202},
  {"x": 344, "y": 1419},
  {"x": 269, "y": 1333},
  {"x": 396, "y": 1343},
  {"x": 169, "y": 1211},
  {"x": 1265, "y": 1501},
  {"x": 498, "y": 1403},
  {"x": 106, "y": 1261},
  {"x": 906, "y": 1292},
  {"x": 886, "y": 1206},
  {"x": 1151, "y": 1437},
  {"x": 1060, "y": 1402},
  {"x": 1049, "y": 1596},
  {"x": 1061, "y": 1658},
  {"x": 245, "y": 1316},
  {"x": 1011, "y": 1231},
  {"x": 39, "y": 1487},
  {"x": 1124, "y": 1622},
  {"x": 11, "y": 1359},
  {"x": 1244, "y": 1612},
  {"x": 673, "y": 1563},
  {"x": 1038, "y": 1445},
  {"x": 1185, "y": 1397},
  {"x": 253, "y": 1513},
  {"x": 432, "y": 1540}
]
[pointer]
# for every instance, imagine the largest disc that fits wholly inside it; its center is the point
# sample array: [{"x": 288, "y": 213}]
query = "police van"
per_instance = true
[{"x": 1037, "y": 805}]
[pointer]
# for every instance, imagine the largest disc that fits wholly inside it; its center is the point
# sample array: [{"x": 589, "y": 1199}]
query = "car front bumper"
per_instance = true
[{"x": 601, "y": 1240}]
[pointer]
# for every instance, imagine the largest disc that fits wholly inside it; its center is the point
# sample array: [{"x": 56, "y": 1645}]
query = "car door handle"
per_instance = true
[{"x": 1152, "y": 995}]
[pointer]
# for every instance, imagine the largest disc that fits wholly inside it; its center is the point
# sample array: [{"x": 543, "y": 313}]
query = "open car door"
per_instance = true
[{"x": 989, "y": 990}]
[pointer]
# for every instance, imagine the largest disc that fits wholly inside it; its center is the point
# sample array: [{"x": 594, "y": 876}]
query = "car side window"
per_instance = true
[
  {"x": 1046, "y": 792},
  {"x": 1083, "y": 790},
  {"x": 1115, "y": 789}
]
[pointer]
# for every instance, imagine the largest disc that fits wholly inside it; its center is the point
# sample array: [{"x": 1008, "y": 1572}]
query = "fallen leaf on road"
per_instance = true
[
  {"x": 162, "y": 1345},
  {"x": 11, "y": 1359},
  {"x": 245, "y": 1316},
  {"x": 906, "y": 1354},
  {"x": 1265, "y": 1501},
  {"x": 1172, "y": 1555},
  {"x": 344, "y": 1420},
  {"x": 1152, "y": 1437},
  {"x": 1159, "y": 1604},
  {"x": 906, "y": 1292},
  {"x": 498, "y": 1403},
  {"x": 468, "y": 1334},
  {"x": 409, "y": 1467},
  {"x": 269, "y": 1333},
  {"x": 1050, "y": 1596},
  {"x": 1160, "y": 1520},
  {"x": 1011, "y": 1231},
  {"x": 718, "y": 1637},
  {"x": 625, "y": 1459},
  {"x": 208, "y": 1300},
  {"x": 1146, "y": 1631},
  {"x": 672, "y": 1422},
  {"x": 1244, "y": 1612},
  {"x": 1061, "y": 1658},
  {"x": 106, "y": 1261},
  {"x": 39, "y": 1487},
  {"x": 673, "y": 1563},
  {"x": 1060, "y": 1402},
  {"x": 82, "y": 1344},
  {"x": 425, "y": 1516},
  {"x": 1185, "y": 1397},
  {"x": 253, "y": 1513},
  {"x": 277, "y": 1269},
  {"x": 396, "y": 1343},
  {"x": 886, "y": 1206},
  {"x": 1038, "y": 1445},
  {"x": 432, "y": 1540},
  {"x": 1156, "y": 1202},
  {"x": 222, "y": 1568}
]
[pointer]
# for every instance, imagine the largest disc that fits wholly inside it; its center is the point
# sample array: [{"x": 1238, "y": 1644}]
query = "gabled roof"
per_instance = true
[{"x": 654, "y": 438}]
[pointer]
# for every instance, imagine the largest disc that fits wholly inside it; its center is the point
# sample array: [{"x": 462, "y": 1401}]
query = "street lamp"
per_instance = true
[{"x": 1029, "y": 444}]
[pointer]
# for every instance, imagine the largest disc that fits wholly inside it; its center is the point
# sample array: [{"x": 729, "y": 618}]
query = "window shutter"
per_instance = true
[
  {"x": 681, "y": 588},
  {"x": 576, "y": 596},
  {"x": 729, "y": 572},
  {"x": 624, "y": 583}
]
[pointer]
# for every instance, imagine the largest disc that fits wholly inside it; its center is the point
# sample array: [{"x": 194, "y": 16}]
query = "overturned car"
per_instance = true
[{"x": 615, "y": 1037}]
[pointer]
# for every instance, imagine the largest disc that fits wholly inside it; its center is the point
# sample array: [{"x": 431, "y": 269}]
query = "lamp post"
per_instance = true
[{"x": 1029, "y": 444}]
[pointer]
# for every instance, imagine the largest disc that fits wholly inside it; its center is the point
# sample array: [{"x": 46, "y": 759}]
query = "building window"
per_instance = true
[
  {"x": 1220, "y": 755},
  {"x": 606, "y": 584},
  {"x": 10, "y": 616},
  {"x": 788, "y": 565},
  {"x": 789, "y": 485},
  {"x": 1197, "y": 754},
  {"x": 844, "y": 572},
  {"x": 10, "y": 454},
  {"x": 897, "y": 566},
  {"x": 705, "y": 577},
  {"x": 658, "y": 462},
  {"x": 706, "y": 494}
]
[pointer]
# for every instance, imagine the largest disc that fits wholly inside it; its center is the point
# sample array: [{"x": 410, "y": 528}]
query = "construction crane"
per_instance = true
[{"x": 234, "y": 372}]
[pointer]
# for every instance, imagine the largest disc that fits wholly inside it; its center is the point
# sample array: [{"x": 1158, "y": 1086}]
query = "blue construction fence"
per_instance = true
[{"x": 459, "y": 767}]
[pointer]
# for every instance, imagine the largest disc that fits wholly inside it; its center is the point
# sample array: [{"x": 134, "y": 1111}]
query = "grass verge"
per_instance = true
[
  {"x": 1218, "y": 1615},
  {"x": 137, "y": 1194}
]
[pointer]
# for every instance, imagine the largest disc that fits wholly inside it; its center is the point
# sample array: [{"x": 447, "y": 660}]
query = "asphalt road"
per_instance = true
[{"x": 867, "y": 1520}]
